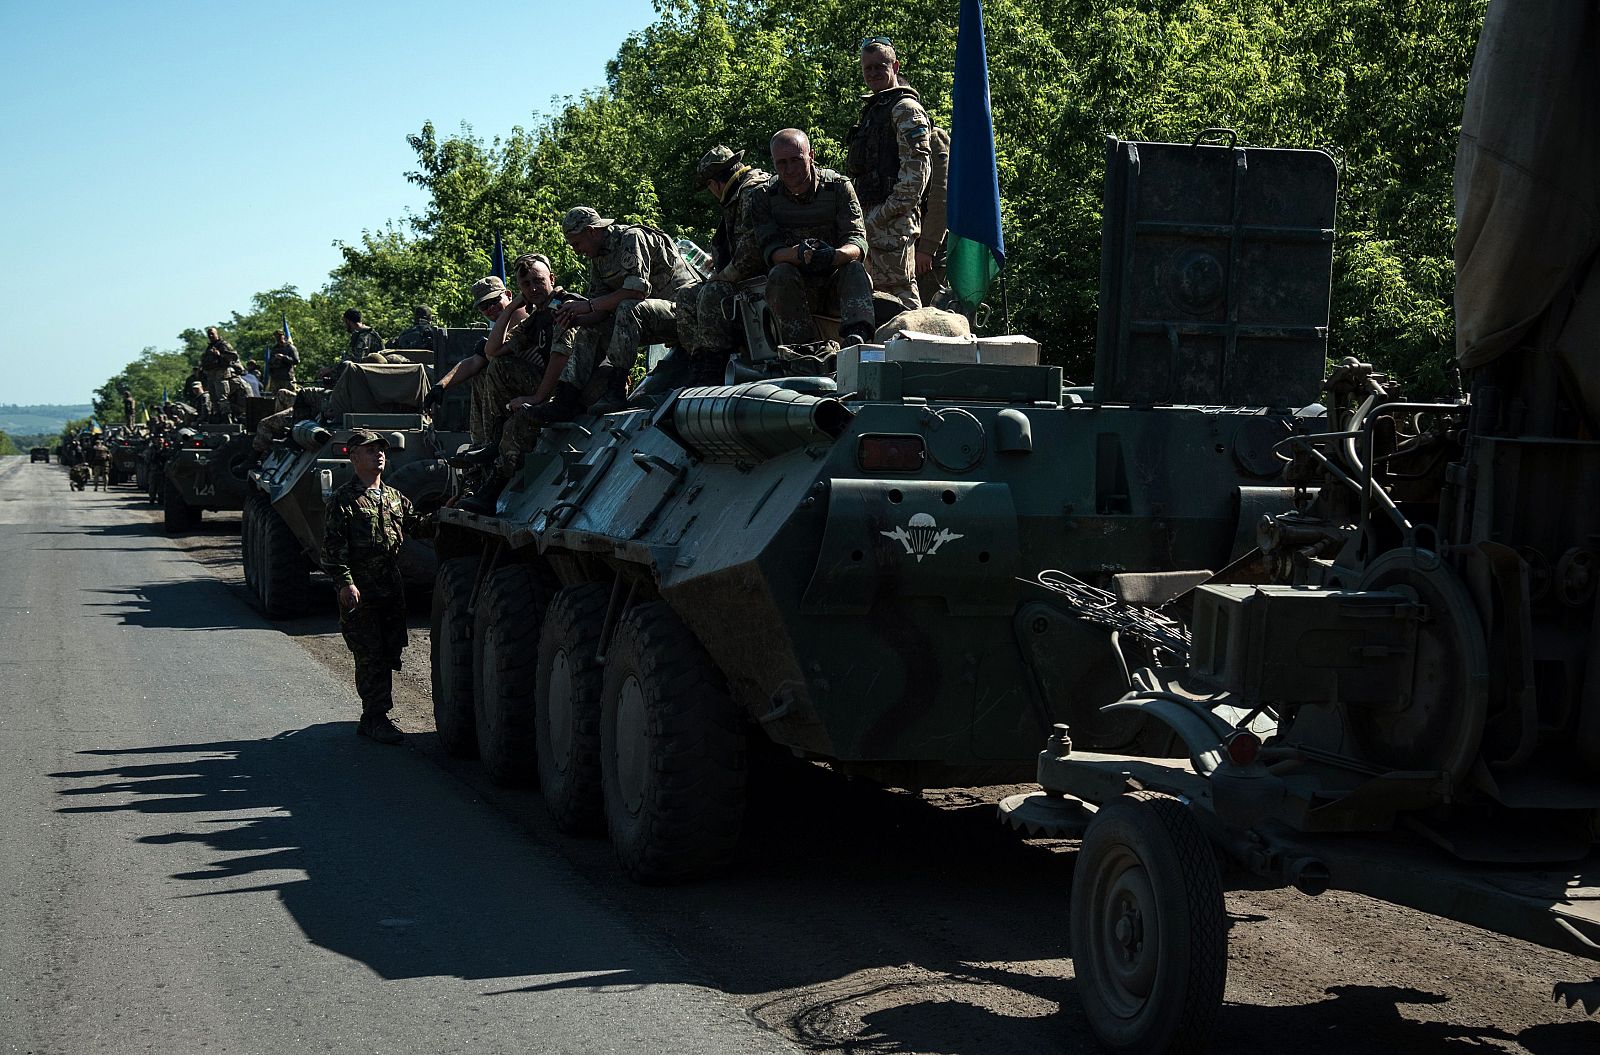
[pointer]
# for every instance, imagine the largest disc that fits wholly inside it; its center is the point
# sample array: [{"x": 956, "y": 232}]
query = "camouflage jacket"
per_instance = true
[
  {"x": 363, "y": 342},
  {"x": 888, "y": 158},
  {"x": 722, "y": 240},
  {"x": 363, "y": 533},
  {"x": 418, "y": 336},
  {"x": 537, "y": 337},
  {"x": 773, "y": 219},
  {"x": 218, "y": 354},
  {"x": 639, "y": 258}
]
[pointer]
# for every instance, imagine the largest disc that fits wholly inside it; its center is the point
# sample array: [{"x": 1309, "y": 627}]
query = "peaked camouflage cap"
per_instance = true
[
  {"x": 581, "y": 218},
  {"x": 488, "y": 288},
  {"x": 365, "y": 438},
  {"x": 717, "y": 163}
]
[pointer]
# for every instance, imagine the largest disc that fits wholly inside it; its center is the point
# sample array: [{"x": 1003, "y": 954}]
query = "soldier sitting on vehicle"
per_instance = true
[
  {"x": 527, "y": 367},
  {"x": 805, "y": 225},
  {"x": 422, "y": 334},
  {"x": 705, "y": 310},
  {"x": 364, "y": 340},
  {"x": 635, "y": 271},
  {"x": 494, "y": 302}
]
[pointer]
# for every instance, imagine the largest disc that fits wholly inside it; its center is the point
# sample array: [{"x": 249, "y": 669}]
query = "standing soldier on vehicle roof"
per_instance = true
[
  {"x": 805, "y": 225},
  {"x": 705, "y": 310},
  {"x": 281, "y": 361},
  {"x": 367, "y": 523},
  {"x": 364, "y": 340},
  {"x": 635, "y": 271},
  {"x": 930, "y": 243},
  {"x": 422, "y": 334},
  {"x": 889, "y": 162},
  {"x": 219, "y": 366}
]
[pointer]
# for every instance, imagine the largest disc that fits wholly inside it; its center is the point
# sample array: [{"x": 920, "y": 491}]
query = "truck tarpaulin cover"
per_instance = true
[
  {"x": 1527, "y": 188},
  {"x": 365, "y": 388}
]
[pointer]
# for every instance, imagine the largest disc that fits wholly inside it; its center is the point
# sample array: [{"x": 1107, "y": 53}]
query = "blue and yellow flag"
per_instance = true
[{"x": 976, "y": 249}]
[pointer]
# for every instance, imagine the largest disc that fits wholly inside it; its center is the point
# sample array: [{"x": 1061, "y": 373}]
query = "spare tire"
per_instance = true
[{"x": 230, "y": 471}]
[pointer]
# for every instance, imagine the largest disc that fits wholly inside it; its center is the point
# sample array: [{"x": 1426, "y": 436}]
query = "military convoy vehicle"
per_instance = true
[
  {"x": 843, "y": 570},
  {"x": 127, "y": 443},
  {"x": 39, "y": 454},
  {"x": 204, "y": 470},
  {"x": 281, "y": 536},
  {"x": 1398, "y": 693}
]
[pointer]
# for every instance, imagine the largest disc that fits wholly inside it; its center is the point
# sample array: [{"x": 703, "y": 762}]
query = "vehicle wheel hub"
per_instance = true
[{"x": 633, "y": 753}]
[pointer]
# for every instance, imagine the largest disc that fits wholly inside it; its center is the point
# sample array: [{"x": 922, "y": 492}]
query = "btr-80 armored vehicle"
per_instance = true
[
  {"x": 845, "y": 573},
  {"x": 281, "y": 537},
  {"x": 204, "y": 470}
]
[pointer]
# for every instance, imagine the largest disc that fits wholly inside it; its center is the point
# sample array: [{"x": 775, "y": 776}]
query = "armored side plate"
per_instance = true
[{"x": 1215, "y": 269}]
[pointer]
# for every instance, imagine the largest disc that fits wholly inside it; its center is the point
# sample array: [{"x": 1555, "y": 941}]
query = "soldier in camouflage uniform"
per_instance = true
[
  {"x": 705, "y": 310},
  {"x": 364, "y": 340},
  {"x": 526, "y": 366},
  {"x": 492, "y": 299},
  {"x": 889, "y": 161},
  {"x": 281, "y": 361},
  {"x": 634, "y": 273},
  {"x": 803, "y": 229},
  {"x": 219, "y": 370},
  {"x": 422, "y": 335},
  {"x": 366, "y": 525}
]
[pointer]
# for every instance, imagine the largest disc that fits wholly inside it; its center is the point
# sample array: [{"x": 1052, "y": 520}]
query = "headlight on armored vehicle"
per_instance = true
[{"x": 891, "y": 454}]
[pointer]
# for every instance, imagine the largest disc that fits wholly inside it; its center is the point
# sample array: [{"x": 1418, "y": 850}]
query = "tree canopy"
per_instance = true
[{"x": 1378, "y": 85}]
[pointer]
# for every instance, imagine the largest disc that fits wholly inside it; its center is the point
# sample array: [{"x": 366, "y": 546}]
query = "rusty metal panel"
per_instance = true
[{"x": 1215, "y": 274}]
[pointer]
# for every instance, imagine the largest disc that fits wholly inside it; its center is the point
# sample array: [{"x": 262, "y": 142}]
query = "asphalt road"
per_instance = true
[{"x": 196, "y": 854}]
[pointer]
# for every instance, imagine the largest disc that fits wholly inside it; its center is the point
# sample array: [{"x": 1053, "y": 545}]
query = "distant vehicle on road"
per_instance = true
[{"x": 40, "y": 454}]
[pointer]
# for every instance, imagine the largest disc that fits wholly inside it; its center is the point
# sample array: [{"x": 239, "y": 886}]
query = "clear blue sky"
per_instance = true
[{"x": 167, "y": 159}]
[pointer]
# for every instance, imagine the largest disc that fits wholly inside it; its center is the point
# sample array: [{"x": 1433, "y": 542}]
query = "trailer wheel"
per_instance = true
[
  {"x": 567, "y": 708},
  {"x": 510, "y": 611},
  {"x": 284, "y": 571},
  {"x": 451, "y": 657},
  {"x": 672, "y": 751},
  {"x": 1149, "y": 931},
  {"x": 176, "y": 515}
]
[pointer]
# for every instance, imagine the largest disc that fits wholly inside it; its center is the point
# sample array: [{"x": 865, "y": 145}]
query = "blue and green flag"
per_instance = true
[
  {"x": 976, "y": 248},
  {"x": 499, "y": 256}
]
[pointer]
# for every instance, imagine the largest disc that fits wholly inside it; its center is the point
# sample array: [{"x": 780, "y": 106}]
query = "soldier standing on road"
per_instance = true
[
  {"x": 805, "y": 225},
  {"x": 889, "y": 162},
  {"x": 364, "y": 340},
  {"x": 705, "y": 310},
  {"x": 634, "y": 273},
  {"x": 366, "y": 525}
]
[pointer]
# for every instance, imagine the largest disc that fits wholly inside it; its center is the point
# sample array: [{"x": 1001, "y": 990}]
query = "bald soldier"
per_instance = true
[
  {"x": 889, "y": 161},
  {"x": 803, "y": 229}
]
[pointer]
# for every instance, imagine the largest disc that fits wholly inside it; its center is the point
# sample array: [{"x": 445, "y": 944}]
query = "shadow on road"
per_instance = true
[{"x": 366, "y": 866}]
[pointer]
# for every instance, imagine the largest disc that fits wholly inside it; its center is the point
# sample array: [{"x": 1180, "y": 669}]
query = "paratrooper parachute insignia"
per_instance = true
[{"x": 922, "y": 536}]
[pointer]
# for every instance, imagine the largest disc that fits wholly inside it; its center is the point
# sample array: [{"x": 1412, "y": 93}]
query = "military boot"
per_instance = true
[
  {"x": 377, "y": 726},
  {"x": 482, "y": 498},
  {"x": 615, "y": 395},
  {"x": 564, "y": 404}
]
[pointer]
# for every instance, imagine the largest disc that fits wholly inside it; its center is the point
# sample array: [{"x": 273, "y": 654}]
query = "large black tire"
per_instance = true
[
  {"x": 672, "y": 751},
  {"x": 176, "y": 515},
  {"x": 1149, "y": 929},
  {"x": 510, "y": 611},
  {"x": 567, "y": 708},
  {"x": 256, "y": 511},
  {"x": 451, "y": 655},
  {"x": 229, "y": 466},
  {"x": 284, "y": 571}
]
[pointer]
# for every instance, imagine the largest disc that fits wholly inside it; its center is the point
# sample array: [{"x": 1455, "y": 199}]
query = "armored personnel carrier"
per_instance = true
[
  {"x": 281, "y": 538},
  {"x": 127, "y": 444},
  {"x": 204, "y": 471},
  {"x": 842, "y": 569}
]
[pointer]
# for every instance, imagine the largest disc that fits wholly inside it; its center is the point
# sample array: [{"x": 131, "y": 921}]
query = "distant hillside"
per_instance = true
[{"x": 40, "y": 418}]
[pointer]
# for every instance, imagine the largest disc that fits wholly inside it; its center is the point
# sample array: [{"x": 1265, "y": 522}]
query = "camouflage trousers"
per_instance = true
[
  {"x": 226, "y": 394},
  {"x": 892, "y": 258},
  {"x": 375, "y": 633},
  {"x": 503, "y": 380},
  {"x": 705, "y": 317},
  {"x": 795, "y": 297},
  {"x": 635, "y": 323},
  {"x": 101, "y": 472},
  {"x": 929, "y": 285}
]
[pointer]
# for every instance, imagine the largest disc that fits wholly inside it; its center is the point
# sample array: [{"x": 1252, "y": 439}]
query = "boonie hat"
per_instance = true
[
  {"x": 581, "y": 218},
  {"x": 365, "y": 438},
  {"x": 487, "y": 289},
  {"x": 716, "y": 164}
]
